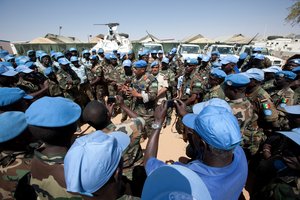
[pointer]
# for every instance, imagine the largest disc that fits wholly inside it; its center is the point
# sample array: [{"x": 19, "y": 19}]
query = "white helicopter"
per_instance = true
[{"x": 114, "y": 40}]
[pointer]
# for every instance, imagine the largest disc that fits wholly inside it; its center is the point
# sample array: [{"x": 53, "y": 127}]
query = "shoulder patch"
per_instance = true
[{"x": 268, "y": 112}]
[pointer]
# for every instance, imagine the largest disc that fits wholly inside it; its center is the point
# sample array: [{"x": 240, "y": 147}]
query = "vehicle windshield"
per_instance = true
[
  {"x": 151, "y": 48},
  {"x": 224, "y": 50},
  {"x": 264, "y": 51},
  {"x": 190, "y": 50}
]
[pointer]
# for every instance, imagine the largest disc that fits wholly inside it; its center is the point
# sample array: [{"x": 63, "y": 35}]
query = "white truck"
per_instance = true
[
  {"x": 265, "y": 51},
  {"x": 223, "y": 49},
  {"x": 185, "y": 51}
]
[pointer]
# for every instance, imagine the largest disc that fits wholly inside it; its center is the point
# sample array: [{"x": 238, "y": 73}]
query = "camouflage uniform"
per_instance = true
[
  {"x": 252, "y": 135},
  {"x": 47, "y": 176},
  {"x": 268, "y": 84},
  {"x": 203, "y": 74},
  {"x": 68, "y": 82},
  {"x": 97, "y": 71},
  {"x": 125, "y": 80},
  {"x": 170, "y": 77},
  {"x": 27, "y": 86},
  {"x": 13, "y": 166},
  {"x": 297, "y": 96},
  {"x": 263, "y": 107},
  {"x": 281, "y": 98},
  {"x": 54, "y": 89},
  {"x": 111, "y": 76},
  {"x": 146, "y": 84},
  {"x": 133, "y": 155},
  {"x": 215, "y": 92}
]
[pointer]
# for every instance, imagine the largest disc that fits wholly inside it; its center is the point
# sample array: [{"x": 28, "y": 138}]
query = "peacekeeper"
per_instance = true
[
  {"x": 213, "y": 88},
  {"x": 131, "y": 56},
  {"x": 296, "y": 85},
  {"x": 270, "y": 76},
  {"x": 266, "y": 61},
  {"x": 32, "y": 56},
  {"x": 54, "y": 89},
  {"x": 68, "y": 80},
  {"x": 112, "y": 74},
  {"x": 235, "y": 87},
  {"x": 278, "y": 173},
  {"x": 8, "y": 76},
  {"x": 73, "y": 51},
  {"x": 170, "y": 77},
  {"x": 16, "y": 154},
  {"x": 215, "y": 56},
  {"x": 85, "y": 90},
  {"x": 53, "y": 120},
  {"x": 261, "y": 101},
  {"x": 45, "y": 62},
  {"x": 55, "y": 64},
  {"x": 124, "y": 85},
  {"x": 282, "y": 95},
  {"x": 144, "y": 92},
  {"x": 85, "y": 60}
]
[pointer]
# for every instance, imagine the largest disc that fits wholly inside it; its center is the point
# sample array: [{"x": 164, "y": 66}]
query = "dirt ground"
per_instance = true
[{"x": 171, "y": 145}]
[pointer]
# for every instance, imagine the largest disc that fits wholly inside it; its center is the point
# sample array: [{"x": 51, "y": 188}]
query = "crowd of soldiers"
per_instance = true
[{"x": 240, "y": 118}]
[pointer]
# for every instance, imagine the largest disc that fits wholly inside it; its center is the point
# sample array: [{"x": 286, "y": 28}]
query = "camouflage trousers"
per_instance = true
[{"x": 101, "y": 92}]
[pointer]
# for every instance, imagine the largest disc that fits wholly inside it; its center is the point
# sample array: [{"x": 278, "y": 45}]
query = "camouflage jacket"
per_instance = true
[
  {"x": 268, "y": 84},
  {"x": 170, "y": 77},
  {"x": 191, "y": 85},
  {"x": 13, "y": 166},
  {"x": 133, "y": 155},
  {"x": 297, "y": 96},
  {"x": 27, "y": 86},
  {"x": 54, "y": 89},
  {"x": 147, "y": 86},
  {"x": 68, "y": 82},
  {"x": 47, "y": 176},
  {"x": 263, "y": 105},
  {"x": 215, "y": 92},
  {"x": 282, "y": 97}
]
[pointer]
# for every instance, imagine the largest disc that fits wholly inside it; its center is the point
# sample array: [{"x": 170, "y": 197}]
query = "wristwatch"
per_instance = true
[{"x": 155, "y": 126}]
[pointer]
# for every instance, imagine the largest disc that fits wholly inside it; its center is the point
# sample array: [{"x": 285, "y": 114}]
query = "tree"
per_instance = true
[{"x": 294, "y": 15}]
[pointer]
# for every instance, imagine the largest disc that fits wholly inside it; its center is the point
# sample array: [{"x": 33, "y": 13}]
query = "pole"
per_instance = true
[{"x": 59, "y": 30}]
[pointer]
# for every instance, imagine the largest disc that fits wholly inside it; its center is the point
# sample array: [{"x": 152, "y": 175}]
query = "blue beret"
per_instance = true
[
  {"x": 154, "y": 52},
  {"x": 224, "y": 136},
  {"x": 24, "y": 69},
  {"x": 39, "y": 52},
  {"x": 94, "y": 50},
  {"x": 93, "y": 57},
  {"x": 12, "y": 124},
  {"x": 296, "y": 69},
  {"x": 243, "y": 56},
  {"x": 218, "y": 73},
  {"x": 21, "y": 60},
  {"x": 165, "y": 60},
  {"x": 113, "y": 56},
  {"x": 143, "y": 53},
  {"x": 72, "y": 49},
  {"x": 3, "y": 53},
  {"x": 48, "y": 71},
  {"x": 206, "y": 58},
  {"x": 6, "y": 64},
  {"x": 296, "y": 61},
  {"x": 43, "y": 55},
  {"x": 294, "y": 135},
  {"x": 63, "y": 61},
  {"x": 58, "y": 54},
  {"x": 107, "y": 56},
  {"x": 174, "y": 50},
  {"x": 216, "y": 65},
  {"x": 100, "y": 50},
  {"x": 160, "y": 52},
  {"x": 140, "y": 64},
  {"x": 286, "y": 74},
  {"x": 155, "y": 63},
  {"x": 6, "y": 71},
  {"x": 294, "y": 109},
  {"x": 30, "y": 64},
  {"x": 259, "y": 56},
  {"x": 224, "y": 61},
  {"x": 257, "y": 49},
  {"x": 12, "y": 95},
  {"x": 237, "y": 80},
  {"x": 74, "y": 59},
  {"x": 85, "y": 51},
  {"x": 174, "y": 182},
  {"x": 255, "y": 73},
  {"x": 215, "y": 53},
  {"x": 272, "y": 69},
  {"x": 127, "y": 63},
  {"x": 192, "y": 61},
  {"x": 53, "y": 112},
  {"x": 232, "y": 59},
  {"x": 30, "y": 52},
  {"x": 85, "y": 171},
  {"x": 8, "y": 57},
  {"x": 130, "y": 52}
]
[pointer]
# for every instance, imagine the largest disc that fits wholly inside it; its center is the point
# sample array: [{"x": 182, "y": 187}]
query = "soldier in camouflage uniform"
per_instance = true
[
  {"x": 261, "y": 101},
  {"x": 270, "y": 77},
  {"x": 234, "y": 88},
  {"x": 111, "y": 75},
  {"x": 24, "y": 84},
  {"x": 213, "y": 88},
  {"x": 124, "y": 84},
  {"x": 282, "y": 95},
  {"x": 85, "y": 60},
  {"x": 296, "y": 86},
  {"x": 15, "y": 155},
  {"x": 189, "y": 92},
  {"x": 175, "y": 64},
  {"x": 54, "y": 89},
  {"x": 53, "y": 121},
  {"x": 144, "y": 93},
  {"x": 68, "y": 80}
]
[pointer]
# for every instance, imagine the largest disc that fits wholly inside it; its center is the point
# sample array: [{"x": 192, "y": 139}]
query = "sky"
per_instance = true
[{"x": 24, "y": 20}]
